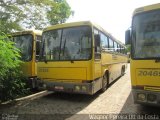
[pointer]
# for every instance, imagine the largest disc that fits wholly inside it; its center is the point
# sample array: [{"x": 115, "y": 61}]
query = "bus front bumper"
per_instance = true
[
  {"x": 146, "y": 97},
  {"x": 80, "y": 88}
]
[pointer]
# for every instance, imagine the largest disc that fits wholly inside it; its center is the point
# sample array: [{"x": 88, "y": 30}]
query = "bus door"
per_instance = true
[
  {"x": 37, "y": 53},
  {"x": 97, "y": 57}
]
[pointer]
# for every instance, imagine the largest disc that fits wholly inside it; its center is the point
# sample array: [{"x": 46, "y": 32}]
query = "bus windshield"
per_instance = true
[
  {"x": 146, "y": 35},
  {"x": 24, "y": 43},
  {"x": 67, "y": 44}
]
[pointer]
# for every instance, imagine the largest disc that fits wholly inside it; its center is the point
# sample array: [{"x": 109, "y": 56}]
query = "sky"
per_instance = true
[{"x": 113, "y": 15}]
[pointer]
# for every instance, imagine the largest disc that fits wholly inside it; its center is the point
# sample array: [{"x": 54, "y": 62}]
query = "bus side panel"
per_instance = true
[{"x": 113, "y": 63}]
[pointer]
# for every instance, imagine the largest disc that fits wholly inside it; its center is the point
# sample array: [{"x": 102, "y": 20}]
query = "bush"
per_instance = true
[{"x": 12, "y": 82}]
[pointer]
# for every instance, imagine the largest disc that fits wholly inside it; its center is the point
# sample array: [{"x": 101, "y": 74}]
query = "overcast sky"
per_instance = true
[{"x": 113, "y": 15}]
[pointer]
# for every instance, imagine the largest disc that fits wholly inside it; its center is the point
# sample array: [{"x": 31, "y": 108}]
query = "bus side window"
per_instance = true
[
  {"x": 115, "y": 47},
  {"x": 111, "y": 45},
  {"x": 97, "y": 44},
  {"x": 118, "y": 48},
  {"x": 104, "y": 42}
]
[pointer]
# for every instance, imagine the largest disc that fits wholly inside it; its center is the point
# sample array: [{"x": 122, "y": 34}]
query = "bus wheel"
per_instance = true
[
  {"x": 122, "y": 70},
  {"x": 105, "y": 82}
]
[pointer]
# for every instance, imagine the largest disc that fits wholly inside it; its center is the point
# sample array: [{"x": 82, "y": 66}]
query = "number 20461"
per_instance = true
[{"x": 148, "y": 73}]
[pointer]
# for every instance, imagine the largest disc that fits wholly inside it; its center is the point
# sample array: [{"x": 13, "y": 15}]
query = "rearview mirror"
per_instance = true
[
  {"x": 128, "y": 37},
  {"x": 97, "y": 40}
]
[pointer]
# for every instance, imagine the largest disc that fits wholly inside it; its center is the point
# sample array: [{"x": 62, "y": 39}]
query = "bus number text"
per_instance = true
[{"x": 149, "y": 73}]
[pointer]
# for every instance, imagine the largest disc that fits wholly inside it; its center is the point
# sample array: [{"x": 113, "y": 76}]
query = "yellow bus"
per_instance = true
[
  {"x": 79, "y": 57},
  {"x": 144, "y": 38},
  {"x": 29, "y": 44}
]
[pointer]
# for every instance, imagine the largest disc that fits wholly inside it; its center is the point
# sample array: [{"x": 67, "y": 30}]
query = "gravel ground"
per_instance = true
[{"x": 116, "y": 100}]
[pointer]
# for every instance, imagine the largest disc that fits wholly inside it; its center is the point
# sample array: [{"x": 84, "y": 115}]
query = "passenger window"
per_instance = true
[
  {"x": 104, "y": 41},
  {"x": 118, "y": 48},
  {"x": 111, "y": 45},
  {"x": 115, "y": 47}
]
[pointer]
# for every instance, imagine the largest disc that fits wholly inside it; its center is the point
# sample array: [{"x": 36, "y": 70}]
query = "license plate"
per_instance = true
[{"x": 59, "y": 88}]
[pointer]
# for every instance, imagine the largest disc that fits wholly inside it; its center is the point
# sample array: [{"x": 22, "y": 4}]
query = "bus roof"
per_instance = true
[
  {"x": 65, "y": 25},
  {"x": 81, "y": 23},
  {"x": 37, "y": 32},
  {"x": 146, "y": 8}
]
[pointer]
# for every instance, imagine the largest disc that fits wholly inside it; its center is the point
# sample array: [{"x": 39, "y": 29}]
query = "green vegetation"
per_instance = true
[
  {"x": 16, "y": 15},
  {"x": 12, "y": 82}
]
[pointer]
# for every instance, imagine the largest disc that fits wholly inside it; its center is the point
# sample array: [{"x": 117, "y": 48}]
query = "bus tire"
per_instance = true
[
  {"x": 122, "y": 70},
  {"x": 105, "y": 82}
]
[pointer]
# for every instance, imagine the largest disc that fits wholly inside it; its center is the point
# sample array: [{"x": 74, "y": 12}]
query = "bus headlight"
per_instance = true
[
  {"x": 151, "y": 97},
  {"x": 141, "y": 96},
  {"x": 84, "y": 88},
  {"x": 77, "y": 88}
]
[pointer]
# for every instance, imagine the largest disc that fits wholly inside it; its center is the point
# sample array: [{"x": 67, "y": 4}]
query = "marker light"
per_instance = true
[
  {"x": 77, "y": 88},
  {"x": 141, "y": 96},
  {"x": 84, "y": 88}
]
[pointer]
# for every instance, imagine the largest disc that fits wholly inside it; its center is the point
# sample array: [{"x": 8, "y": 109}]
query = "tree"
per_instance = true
[
  {"x": 9, "y": 19},
  {"x": 12, "y": 81},
  {"x": 59, "y": 12},
  {"x": 21, "y": 14}
]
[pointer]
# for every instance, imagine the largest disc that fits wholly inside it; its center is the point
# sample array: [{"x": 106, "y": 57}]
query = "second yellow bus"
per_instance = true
[{"x": 29, "y": 44}]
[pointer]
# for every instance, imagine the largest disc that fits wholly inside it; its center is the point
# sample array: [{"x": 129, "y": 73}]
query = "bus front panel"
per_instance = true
[{"x": 145, "y": 64}]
